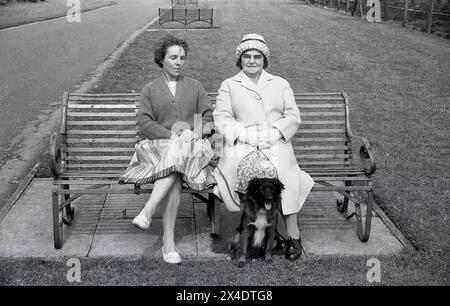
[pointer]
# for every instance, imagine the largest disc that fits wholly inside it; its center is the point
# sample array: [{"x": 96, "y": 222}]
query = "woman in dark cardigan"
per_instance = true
[{"x": 174, "y": 117}]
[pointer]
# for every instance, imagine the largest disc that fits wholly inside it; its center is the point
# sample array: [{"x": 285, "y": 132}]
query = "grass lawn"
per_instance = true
[
  {"x": 417, "y": 19},
  {"x": 19, "y": 13},
  {"x": 408, "y": 269},
  {"x": 397, "y": 81}
]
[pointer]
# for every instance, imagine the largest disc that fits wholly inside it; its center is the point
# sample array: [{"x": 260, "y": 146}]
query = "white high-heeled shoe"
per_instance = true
[
  {"x": 172, "y": 257},
  {"x": 141, "y": 222}
]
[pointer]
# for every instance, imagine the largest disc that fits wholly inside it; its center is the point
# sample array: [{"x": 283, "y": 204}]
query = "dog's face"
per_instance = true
[{"x": 266, "y": 192}]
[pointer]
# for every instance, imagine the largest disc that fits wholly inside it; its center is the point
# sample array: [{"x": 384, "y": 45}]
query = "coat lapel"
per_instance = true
[
  {"x": 245, "y": 82},
  {"x": 264, "y": 80}
]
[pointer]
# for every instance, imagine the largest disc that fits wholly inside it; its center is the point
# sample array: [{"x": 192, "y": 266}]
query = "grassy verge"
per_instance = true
[
  {"x": 396, "y": 81},
  {"x": 323, "y": 271},
  {"x": 417, "y": 19},
  {"x": 20, "y": 13}
]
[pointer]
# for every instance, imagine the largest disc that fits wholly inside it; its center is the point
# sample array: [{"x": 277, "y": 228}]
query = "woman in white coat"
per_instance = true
[{"x": 256, "y": 113}]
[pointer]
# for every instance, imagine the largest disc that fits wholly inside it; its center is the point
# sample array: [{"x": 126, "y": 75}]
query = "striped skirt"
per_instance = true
[{"x": 154, "y": 159}]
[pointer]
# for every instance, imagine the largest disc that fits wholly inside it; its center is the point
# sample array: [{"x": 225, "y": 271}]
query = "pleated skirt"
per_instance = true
[{"x": 154, "y": 159}]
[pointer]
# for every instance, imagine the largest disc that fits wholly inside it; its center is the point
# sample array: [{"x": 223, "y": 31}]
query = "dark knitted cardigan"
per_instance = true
[{"x": 160, "y": 111}]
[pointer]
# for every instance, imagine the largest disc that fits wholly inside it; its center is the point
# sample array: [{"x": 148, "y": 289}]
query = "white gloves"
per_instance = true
[
  {"x": 268, "y": 138},
  {"x": 263, "y": 139},
  {"x": 250, "y": 136}
]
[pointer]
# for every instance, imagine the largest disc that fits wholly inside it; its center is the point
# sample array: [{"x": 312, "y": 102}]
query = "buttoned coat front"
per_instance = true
[{"x": 271, "y": 103}]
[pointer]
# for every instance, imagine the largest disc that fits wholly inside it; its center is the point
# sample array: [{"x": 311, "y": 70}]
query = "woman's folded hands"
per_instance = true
[
  {"x": 186, "y": 135},
  {"x": 262, "y": 138}
]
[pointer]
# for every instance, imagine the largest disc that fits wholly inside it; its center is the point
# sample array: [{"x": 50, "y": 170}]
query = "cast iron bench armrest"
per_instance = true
[
  {"x": 366, "y": 156},
  {"x": 56, "y": 151}
]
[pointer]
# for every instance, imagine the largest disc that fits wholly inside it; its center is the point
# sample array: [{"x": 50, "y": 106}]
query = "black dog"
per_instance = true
[{"x": 256, "y": 232}]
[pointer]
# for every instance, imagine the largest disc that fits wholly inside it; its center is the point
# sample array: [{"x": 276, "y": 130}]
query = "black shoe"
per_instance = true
[
  {"x": 294, "y": 248},
  {"x": 279, "y": 243}
]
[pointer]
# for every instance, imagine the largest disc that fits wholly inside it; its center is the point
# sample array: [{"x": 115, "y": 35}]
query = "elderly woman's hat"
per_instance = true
[{"x": 252, "y": 42}]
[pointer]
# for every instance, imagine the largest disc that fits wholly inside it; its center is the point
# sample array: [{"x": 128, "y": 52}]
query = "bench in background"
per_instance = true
[
  {"x": 185, "y": 12},
  {"x": 99, "y": 131}
]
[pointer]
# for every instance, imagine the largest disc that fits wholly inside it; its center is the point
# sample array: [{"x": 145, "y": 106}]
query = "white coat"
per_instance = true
[{"x": 240, "y": 104}]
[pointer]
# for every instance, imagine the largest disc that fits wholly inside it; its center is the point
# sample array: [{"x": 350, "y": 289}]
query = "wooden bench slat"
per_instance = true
[
  {"x": 104, "y": 95},
  {"x": 338, "y": 174},
  {"x": 323, "y": 156},
  {"x": 324, "y": 122},
  {"x": 112, "y": 99},
  {"x": 319, "y": 96},
  {"x": 116, "y": 174},
  {"x": 86, "y": 182},
  {"x": 100, "y": 140},
  {"x": 321, "y": 114},
  {"x": 318, "y": 93},
  {"x": 99, "y": 150},
  {"x": 143, "y": 190},
  {"x": 307, "y": 106},
  {"x": 319, "y": 139},
  {"x": 121, "y": 166},
  {"x": 77, "y": 114},
  {"x": 98, "y": 106},
  {"x": 341, "y": 178},
  {"x": 92, "y": 122},
  {"x": 332, "y": 170},
  {"x": 100, "y": 132},
  {"x": 91, "y": 174},
  {"x": 321, "y": 148},
  {"x": 99, "y": 158},
  {"x": 317, "y": 187},
  {"x": 321, "y": 163},
  {"x": 320, "y": 131}
]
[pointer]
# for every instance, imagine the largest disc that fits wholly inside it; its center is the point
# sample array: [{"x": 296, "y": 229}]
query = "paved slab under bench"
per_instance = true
[{"x": 102, "y": 228}]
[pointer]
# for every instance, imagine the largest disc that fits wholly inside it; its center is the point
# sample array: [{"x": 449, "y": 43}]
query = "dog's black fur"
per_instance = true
[{"x": 256, "y": 231}]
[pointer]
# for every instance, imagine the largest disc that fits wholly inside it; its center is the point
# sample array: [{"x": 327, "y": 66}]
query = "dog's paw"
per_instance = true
[{"x": 269, "y": 259}]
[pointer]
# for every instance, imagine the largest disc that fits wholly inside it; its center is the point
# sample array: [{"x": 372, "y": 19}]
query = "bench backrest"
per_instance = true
[
  {"x": 101, "y": 131},
  {"x": 183, "y": 3}
]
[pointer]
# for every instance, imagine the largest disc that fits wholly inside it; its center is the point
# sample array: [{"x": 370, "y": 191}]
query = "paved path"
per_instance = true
[
  {"x": 39, "y": 62},
  {"x": 101, "y": 229}
]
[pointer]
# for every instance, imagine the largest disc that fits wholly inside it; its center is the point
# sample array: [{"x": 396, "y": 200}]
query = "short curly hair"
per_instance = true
[{"x": 166, "y": 42}]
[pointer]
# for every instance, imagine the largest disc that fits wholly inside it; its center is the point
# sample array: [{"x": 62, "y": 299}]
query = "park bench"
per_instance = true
[
  {"x": 98, "y": 133},
  {"x": 185, "y": 12}
]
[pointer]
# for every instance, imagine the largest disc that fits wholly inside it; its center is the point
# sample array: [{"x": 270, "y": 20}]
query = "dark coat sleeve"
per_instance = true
[{"x": 148, "y": 122}]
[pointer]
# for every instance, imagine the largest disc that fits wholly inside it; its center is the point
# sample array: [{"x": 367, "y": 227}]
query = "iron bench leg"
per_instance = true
[
  {"x": 57, "y": 221},
  {"x": 70, "y": 211},
  {"x": 364, "y": 234},
  {"x": 214, "y": 214},
  {"x": 342, "y": 206}
]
